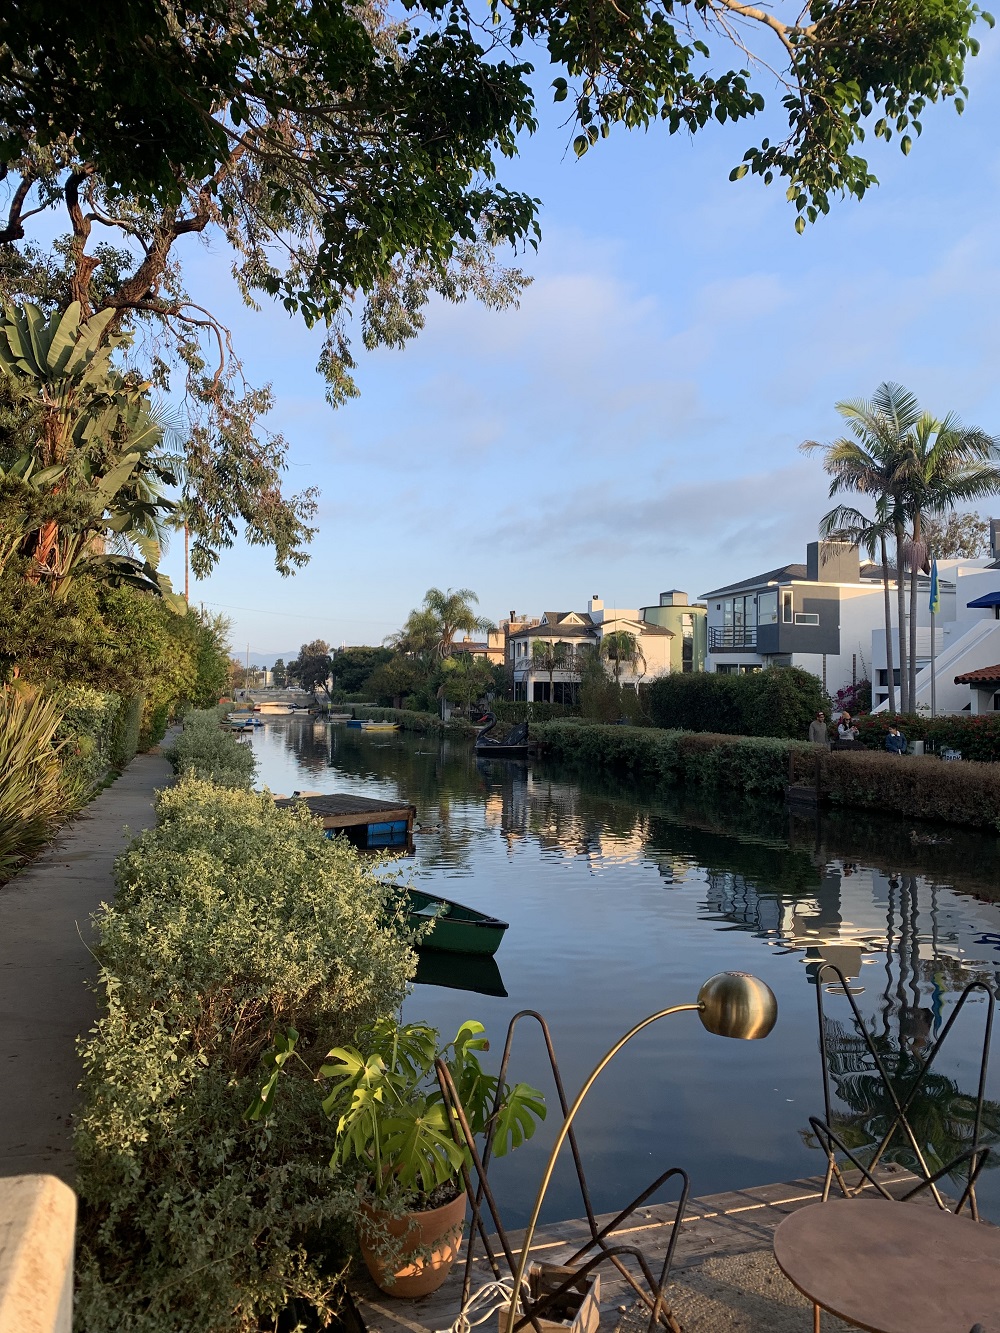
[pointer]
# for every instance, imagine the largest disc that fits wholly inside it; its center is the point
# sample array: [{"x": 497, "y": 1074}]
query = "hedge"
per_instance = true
[
  {"x": 978, "y": 737},
  {"x": 747, "y": 764},
  {"x": 917, "y": 788},
  {"x": 205, "y": 750},
  {"x": 234, "y": 919},
  {"x": 101, "y": 735},
  {"x": 779, "y": 701}
]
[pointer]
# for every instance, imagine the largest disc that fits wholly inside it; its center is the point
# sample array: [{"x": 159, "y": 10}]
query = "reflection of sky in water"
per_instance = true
[{"x": 621, "y": 901}]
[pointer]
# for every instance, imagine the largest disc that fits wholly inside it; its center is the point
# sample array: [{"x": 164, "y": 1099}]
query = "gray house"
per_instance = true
[{"x": 818, "y": 616}]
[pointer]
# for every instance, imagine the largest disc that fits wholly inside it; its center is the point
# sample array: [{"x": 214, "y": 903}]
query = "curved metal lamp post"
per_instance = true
[{"x": 730, "y": 1004}]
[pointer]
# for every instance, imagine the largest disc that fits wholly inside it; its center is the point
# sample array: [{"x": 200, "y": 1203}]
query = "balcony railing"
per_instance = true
[{"x": 731, "y": 638}]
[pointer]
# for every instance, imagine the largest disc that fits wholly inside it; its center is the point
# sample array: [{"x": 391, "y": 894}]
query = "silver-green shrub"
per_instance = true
[
  {"x": 204, "y": 750},
  {"x": 233, "y": 920}
]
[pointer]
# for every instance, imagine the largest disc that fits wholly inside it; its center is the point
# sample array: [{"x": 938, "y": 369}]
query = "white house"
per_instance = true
[
  {"x": 967, "y": 640},
  {"x": 582, "y": 632}
]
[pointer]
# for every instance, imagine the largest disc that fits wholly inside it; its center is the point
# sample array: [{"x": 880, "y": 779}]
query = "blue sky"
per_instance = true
[{"x": 633, "y": 426}]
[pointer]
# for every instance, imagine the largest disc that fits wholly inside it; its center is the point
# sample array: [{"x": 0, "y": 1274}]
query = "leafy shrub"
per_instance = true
[
  {"x": 745, "y": 764},
  {"x": 978, "y": 737},
  {"x": 87, "y": 728},
  {"x": 32, "y": 795},
  {"x": 205, "y": 750},
  {"x": 917, "y": 788},
  {"x": 779, "y": 701},
  {"x": 101, "y": 735},
  {"x": 233, "y": 921},
  {"x": 520, "y": 710}
]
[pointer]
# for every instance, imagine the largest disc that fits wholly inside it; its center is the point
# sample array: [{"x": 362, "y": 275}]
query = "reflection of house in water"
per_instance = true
[
  {"x": 563, "y": 819},
  {"x": 925, "y": 937}
]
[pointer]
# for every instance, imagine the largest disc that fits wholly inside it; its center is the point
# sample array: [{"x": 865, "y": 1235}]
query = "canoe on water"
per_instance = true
[{"x": 457, "y": 929}]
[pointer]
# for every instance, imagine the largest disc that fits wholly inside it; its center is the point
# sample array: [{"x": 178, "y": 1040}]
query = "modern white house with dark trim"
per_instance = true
[{"x": 819, "y": 616}]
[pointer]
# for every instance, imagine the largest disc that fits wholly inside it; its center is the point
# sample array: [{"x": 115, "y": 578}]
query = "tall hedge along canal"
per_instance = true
[{"x": 622, "y": 900}]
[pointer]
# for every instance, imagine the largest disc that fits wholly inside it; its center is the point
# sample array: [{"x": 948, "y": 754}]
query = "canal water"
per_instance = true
[{"x": 623, "y": 899}]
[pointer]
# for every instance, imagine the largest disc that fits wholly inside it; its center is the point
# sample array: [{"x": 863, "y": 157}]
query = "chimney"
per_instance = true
[
  {"x": 832, "y": 562},
  {"x": 595, "y": 604}
]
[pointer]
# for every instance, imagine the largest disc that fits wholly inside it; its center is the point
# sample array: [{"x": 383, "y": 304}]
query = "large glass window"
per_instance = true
[
  {"x": 687, "y": 642},
  {"x": 786, "y": 606},
  {"x": 767, "y": 608}
]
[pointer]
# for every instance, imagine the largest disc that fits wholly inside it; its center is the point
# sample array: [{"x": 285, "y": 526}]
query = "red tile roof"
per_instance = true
[{"x": 984, "y": 676}]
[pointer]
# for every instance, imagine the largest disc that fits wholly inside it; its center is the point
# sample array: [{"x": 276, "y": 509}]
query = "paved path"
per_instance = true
[
  {"x": 724, "y": 1278},
  {"x": 45, "y": 965}
]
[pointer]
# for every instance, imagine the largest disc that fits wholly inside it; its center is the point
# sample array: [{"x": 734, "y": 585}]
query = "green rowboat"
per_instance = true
[{"x": 457, "y": 929}]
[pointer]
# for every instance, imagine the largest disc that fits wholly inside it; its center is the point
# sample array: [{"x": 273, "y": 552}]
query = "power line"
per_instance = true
[{"x": 289, "y": 615}]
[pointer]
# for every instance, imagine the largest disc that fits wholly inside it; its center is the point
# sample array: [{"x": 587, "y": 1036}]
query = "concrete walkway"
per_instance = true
[{"x": 45, "y": 965}]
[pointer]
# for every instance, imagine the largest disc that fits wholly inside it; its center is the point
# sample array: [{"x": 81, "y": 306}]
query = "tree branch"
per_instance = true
[{"x": 14, "y": 230}]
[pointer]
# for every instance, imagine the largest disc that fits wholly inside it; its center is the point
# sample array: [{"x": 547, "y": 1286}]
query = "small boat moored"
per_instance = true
[
  {"x": 364, "y": 724},
  {"x": 457, "y": 928}
]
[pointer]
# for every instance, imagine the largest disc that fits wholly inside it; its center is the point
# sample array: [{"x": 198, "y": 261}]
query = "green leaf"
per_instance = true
[
  {"x": 516, "y": 1120},
  {"x": 800, "y": 224},
  {"x": 906, "y": 143}
]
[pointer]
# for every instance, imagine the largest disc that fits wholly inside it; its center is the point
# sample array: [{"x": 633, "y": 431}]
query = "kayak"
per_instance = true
[{"x": 457, "y": 929}]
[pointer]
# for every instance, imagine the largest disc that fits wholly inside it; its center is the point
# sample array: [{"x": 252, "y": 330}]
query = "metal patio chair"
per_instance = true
[
  {"x": 900, "y": 1103},
  {"x": 600, "y": 1245}
]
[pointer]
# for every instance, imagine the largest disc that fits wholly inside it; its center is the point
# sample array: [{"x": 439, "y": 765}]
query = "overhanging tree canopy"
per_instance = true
[{"x": 348, "y": 157}]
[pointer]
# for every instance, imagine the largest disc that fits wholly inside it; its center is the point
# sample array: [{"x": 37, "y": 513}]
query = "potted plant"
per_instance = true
[{"x": 391, "y": 1127}]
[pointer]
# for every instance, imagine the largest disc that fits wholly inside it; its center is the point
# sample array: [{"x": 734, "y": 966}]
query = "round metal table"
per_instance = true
[{"x": 893, "y": 1267}]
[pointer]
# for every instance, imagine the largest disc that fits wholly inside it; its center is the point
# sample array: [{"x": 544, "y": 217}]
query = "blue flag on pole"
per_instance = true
[{"x": 935, "y": 590}]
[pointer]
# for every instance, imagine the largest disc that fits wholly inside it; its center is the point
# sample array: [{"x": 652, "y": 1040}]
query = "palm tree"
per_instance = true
[
  {"x": 621, "y": 649},
  {"x": 946, "y": 463},
  {"x": 875, "y": 460},
  {"x": 871, "y": 534},
  {"x": 549, "y": 657},
  {"x": 453, "y": 611}
]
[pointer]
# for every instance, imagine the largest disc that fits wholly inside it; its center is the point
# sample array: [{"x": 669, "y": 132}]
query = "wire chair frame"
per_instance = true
[
  {"x": 479, "y": 1192},
  {"x": 831, "y": 1142}
]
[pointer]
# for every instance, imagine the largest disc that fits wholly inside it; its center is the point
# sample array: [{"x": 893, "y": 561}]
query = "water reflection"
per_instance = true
[{"x": 618, "y": 895}]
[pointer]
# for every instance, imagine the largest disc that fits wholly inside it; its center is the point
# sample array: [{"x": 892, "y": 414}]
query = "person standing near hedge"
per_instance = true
[
  {"x": 895, "y": 741},
  {"x": 818, "y": 733},
  {"x": 847, "y": 732}
]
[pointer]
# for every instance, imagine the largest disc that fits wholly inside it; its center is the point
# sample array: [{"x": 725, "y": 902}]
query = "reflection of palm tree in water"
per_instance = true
[{"x": 941, "y": 1115}]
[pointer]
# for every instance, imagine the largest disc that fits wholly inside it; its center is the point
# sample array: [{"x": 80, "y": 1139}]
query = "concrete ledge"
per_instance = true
[{"x": 37, "y": 1224}]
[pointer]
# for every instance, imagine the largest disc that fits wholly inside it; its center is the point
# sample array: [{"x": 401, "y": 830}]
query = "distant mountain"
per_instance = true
[{"x": 266, "y": 659}]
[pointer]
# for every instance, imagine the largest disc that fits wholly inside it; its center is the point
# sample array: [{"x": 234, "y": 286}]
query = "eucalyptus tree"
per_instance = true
[
  {"x": 958, "y": 535},
  {"x": 345, "y": 158},
  {"x": 873, "y": 460}
]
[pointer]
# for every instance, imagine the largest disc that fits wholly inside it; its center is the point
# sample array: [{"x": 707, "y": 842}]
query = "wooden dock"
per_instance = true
[
  {"x": 368, "y": 822},
  {"x": 732, "y": 1233}
]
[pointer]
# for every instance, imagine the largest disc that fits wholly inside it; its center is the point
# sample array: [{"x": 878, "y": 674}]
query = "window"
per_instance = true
[
  {"x": 807, "y": 617},
  {"x": 687, "y": 642},
  {"x": 883, "y": 677},
  {"x": 767, "y": 608},
  {"x": 786, "y": 605}
]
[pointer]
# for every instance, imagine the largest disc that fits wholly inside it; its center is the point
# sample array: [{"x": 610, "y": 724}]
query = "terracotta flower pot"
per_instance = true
[{"x": 430, "y": 1243}]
